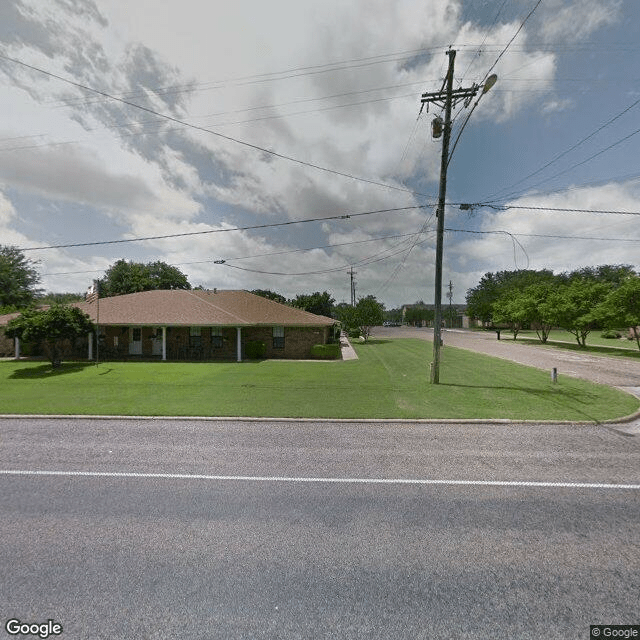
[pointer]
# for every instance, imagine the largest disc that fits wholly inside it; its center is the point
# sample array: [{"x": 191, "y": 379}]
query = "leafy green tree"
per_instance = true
[
  {"x": 369, "y": 313},
  {"x": 18, "y": 279},
  {"x": 481, "y": 299},
  {"x": 418, "y": 313},
  {"x": 60, "y": 298},
  {"x": 270, "y": 295},
  {"x": 319, "y": 303},
  {"x": 540, "y": 315},
  {"x": 132, "y": 277},
  {"x": 511, "y": 309},
  {"x": 57, "y": 327},
  {"x": 533, "y": 305},
  {"x": 621, "y": 307},
  {"x": 572, "y": 307},
  {"x": 614, "y": 274},
  {"x": 347, "y": 316},
  {"x": 393, "y": 315}
]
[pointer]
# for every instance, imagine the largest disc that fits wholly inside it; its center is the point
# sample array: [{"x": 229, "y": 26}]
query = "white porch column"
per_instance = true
[
  {"x": 164, "y": 343},
  {"x": 239, "y": 343},
  {"x": 16, "y": 345},
  {"x": 90, "y": 340}
]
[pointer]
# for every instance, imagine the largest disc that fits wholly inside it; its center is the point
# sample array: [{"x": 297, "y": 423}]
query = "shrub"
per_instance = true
[
  {"x": 326, "y": 351},
  {"x": 611, "y": 334},
  {"x": 255, "y": 350},
  {"x": 354, "y": 333}
]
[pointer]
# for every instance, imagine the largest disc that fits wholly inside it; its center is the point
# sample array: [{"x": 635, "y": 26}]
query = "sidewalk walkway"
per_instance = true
[{"x": 348, "y": 352}]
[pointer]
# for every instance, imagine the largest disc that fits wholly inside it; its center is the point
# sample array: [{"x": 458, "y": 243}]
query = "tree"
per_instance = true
[
  {"x": 319, "y": 303},
  {"x": 393, "y": 315},
  {"x": 418, "y": 314},
  {"x": 270, "y": 295},
  {"x": 481, "y": 299},
  {"x": 511, "y": 309},
  {"x": 621, "y": 307},
  {"x": 540, "y": 315},
  {"x": 614, "y": 274},
  {"x": 131, "y": 277},
  {"x": 347, "y": 316},
  {"x": 368, "y": 313},
  {"x": 59, "y": 298},
  {"x": 57, "y": 327},
  {"x": 532, "y": 305},
  {"x": 18, "y": 278},
  {"x": 572, "y": 307}
]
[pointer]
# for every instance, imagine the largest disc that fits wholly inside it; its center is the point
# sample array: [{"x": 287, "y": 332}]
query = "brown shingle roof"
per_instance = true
[{"x": 204, "y": 308}]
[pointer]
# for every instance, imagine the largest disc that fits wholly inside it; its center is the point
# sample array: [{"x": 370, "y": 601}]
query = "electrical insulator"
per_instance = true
[{"x": 436, "y": 127}]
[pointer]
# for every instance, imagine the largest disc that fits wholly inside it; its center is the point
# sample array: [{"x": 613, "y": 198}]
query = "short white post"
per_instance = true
[
  {"x": 239, "y": 343},
  {"x": 164, "y": 343},
  {"x": 90, "y": 341},
  {"x": 16, "y": 345},
  {"x": 554, "y": 375}
]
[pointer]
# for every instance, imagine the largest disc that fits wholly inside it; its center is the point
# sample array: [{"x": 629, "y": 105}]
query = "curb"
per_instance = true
[{"x": 408, "y": 421}]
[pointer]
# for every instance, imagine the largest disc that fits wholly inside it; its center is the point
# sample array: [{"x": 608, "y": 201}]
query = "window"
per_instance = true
[
  {"x": 136, "y": 334},
  {"x": 216, "y": 337},
  {"x": 278, "y": 337},
  {"x": 195, "y": 336}
]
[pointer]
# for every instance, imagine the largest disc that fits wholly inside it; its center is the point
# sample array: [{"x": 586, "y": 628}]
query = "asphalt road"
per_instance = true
[{"x": 317, "y": 530}]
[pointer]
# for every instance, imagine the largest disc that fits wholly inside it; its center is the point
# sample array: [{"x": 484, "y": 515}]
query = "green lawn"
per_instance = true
[
  {"x": 390, "y": 380},
  {"x": 595, "y": 342}
]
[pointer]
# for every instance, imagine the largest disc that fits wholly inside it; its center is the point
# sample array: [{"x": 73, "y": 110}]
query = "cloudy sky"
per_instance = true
[{"x": 238, "y": 127}]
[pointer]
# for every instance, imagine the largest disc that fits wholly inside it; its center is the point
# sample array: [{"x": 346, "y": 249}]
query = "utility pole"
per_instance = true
[
  {"x": 353, "y": 287},
  {"x": 450, "y": 296},
  {"x": 446, "y": 98}
]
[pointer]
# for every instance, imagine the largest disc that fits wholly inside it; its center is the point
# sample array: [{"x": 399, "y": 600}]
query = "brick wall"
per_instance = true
[
  {"x": 7, "y": 349},
  {"x": 297, "y": 340},
  {"x": 114, "y": 343}
]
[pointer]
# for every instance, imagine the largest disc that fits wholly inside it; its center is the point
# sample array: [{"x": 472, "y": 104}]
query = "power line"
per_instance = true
[
  {"x": 256, "y": 255},
  {"x": 341, "y": 65},
  {"x": 362, "y": 262},
  {"x": 208, "y": 231},
  {"x": 401, "y": 264},
  {"x": 218, "y": 124},
  {"x": 515, "y": 35},
  {"x": 559, "y": 209},
  {"x": 486, "y": 75},
  {"x": 493, "y": 24},
  {"x": 210, "y": 131},
  {"x": 564, "y": 153},
  {"x": 273, "y": 75},
  {"x": 579, "y": 164},
  {"x": 545, "y": 235},
  {"x": 132, "y": 123}
]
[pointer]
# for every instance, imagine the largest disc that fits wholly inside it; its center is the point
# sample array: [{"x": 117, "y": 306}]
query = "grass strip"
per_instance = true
[
  {"x": 595, "y": 343},
  {"x": 389, "y": 380}
]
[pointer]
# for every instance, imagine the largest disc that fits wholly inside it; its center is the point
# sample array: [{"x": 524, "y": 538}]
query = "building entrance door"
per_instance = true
[{"x": 135, "y": 341}]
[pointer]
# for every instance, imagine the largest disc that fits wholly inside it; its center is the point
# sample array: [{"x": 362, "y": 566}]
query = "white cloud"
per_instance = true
[
  {"x": 557, "y": 105},
  {"x": 564, "y": 253},
  {"x": 195, "y": 58},
  {"x": 575, "y": 21}
]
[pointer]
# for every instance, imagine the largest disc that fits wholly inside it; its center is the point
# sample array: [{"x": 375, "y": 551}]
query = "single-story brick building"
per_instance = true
[{"x": 196, "y": 325}]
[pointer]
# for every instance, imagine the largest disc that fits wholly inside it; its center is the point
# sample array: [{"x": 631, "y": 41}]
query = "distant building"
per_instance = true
[{"x": 421, "y": 315}]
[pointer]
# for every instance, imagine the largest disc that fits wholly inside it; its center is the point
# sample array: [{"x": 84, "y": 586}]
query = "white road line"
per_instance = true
[{"x": 409, "y": 481}]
